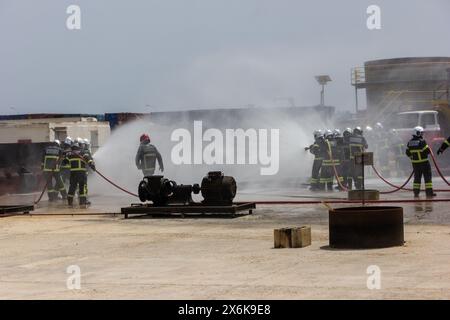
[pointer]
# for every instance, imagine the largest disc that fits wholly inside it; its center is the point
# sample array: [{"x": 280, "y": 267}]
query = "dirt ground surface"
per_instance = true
[{"x": 215, "y": 258}]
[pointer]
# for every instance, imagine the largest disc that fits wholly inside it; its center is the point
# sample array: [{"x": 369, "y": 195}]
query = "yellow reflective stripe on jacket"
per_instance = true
[
  {"x": 54, "y": 167},
  {"x": 77, "y": 165},
  {"x": 359, "y": 146},
  {"x": 419, "y": 159}
]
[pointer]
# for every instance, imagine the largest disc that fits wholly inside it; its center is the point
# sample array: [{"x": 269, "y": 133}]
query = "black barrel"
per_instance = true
[{"x": 366, "y": 227}]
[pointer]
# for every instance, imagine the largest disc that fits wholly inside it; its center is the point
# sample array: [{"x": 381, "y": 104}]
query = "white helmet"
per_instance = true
[
  {"x": 57, "y": 142},
  {"x": 369, "y": 128},
  {"x": 358, "y": 131},
  {"x": 86, "y": 142},
  {"x": 378, "y": 126},
  {"x": 337, "y": 132},
  {"x": 418, "y": 131},
  {"x": 317, "y": 133},
  {"x": 68, "y": 141},
  {"x": 347, "y": 132},
  {"x": 328, "y": 134}
]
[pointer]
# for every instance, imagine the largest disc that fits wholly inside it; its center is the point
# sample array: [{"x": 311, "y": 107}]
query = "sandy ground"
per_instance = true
[{"x": 215, "y": 258}]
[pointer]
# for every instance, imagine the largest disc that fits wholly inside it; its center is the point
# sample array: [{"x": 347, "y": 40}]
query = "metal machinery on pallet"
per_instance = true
[{"x": 167, "y": 197}]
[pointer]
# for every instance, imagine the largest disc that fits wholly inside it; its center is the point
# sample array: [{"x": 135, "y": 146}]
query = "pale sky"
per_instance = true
[{"x": 184, "y": 54}]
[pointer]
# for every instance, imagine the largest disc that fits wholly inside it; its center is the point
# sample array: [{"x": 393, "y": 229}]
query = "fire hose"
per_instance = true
[
  {"x": 437, "y": 167},
  {"x": 287, "y": 202},
  {"x": 107, "y": 179},
  {"x": 336, "y": 175}
]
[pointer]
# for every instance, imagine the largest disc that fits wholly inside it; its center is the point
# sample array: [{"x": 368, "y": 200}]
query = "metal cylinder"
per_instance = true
[{"x": 366, "y": 227}]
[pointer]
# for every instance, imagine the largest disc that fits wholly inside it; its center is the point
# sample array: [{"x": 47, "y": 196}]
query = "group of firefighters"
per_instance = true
[
  {"x": 66, "y": 166},
  {"x": 334, "y": 157}
]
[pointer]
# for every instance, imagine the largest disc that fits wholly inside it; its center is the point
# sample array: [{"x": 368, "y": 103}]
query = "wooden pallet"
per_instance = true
[{"x": 192, "y": 210}]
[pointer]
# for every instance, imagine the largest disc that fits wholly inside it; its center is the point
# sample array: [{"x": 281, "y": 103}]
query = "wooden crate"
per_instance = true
[{"x": 296, "y": 237}]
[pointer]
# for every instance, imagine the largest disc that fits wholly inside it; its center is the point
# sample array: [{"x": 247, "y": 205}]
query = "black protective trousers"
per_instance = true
[
  {"x": 422, "y": 169},
  {"x": 77, "y": 179},
  {"x": 355, "y": 175},
  {"x": 315, "y": 174},
  {"x": 55, "y": 185}
]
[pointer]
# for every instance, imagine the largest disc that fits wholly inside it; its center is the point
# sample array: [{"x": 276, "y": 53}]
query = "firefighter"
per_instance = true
[
  {"x": 345, "y": 165},
  {"x": 79, "y": 161},
  {"x": 51, "y": 167},
  {"x": 87, "y": 153},
  {"x": 317, "y": 164},
  {"x": 417, "y": 150},
  {"x": 327, "y": 171},
  {"x": 87, "y": 146},
  {"x": 147, "y": 155},
  {"x": 65, "y": 165},
  {"x": 357, "y": 144},
  {"x": 444, "y": 146}
]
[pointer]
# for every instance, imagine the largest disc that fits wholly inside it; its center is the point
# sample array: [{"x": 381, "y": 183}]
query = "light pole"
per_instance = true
[{"x": 323, "y": 80}]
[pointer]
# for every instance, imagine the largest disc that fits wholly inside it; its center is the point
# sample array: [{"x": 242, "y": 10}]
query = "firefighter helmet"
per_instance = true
[
  {"x": 378, "y": 126},
  {"x": 144, "y": 137},
  {"x": 369, "y": 128},
  {"x": 328, "y": 134},
  {"x": 347, "y": 132},
  {"x": 418, "y": 131},
  {"x": 57, "y": 142},
  {"x": 68, "y": 141},
  {"x": 337, "y": 132},
  {"x": 358, "y": 131},
  {"x": 81, "y": 142},
  {"x": 76, "y": 145},
  {"x": 317, "y": 133}
]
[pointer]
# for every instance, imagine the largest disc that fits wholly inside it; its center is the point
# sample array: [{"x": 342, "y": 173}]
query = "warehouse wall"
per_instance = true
[{"x": 12, "y": 133}]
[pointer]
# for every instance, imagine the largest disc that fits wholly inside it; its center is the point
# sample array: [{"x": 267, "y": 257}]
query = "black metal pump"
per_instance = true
[{"x": 216, "y": 190}]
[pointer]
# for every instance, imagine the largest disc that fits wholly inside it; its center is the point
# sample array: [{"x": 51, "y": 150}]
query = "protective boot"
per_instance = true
[
  {"x": 330, "y": 186},
  {"x": 70, "y": 201},
  {"x": 83, "y": 203},
  {"x": 430, "y": 193}
]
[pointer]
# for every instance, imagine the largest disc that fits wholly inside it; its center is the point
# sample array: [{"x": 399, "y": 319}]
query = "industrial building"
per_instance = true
[
  {"x": 42, "y": 130},
  {"x": 402, "y": 84}
]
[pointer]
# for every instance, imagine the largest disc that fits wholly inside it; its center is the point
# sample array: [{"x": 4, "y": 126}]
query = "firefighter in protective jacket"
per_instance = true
[
  {"x": 317, "y": 164},
  {"x": 357, "y": 145},
  {"x": 146, "y": 157},
  {"x": 51, "y": 166},
  {"x": 79, "y": 161},
  {"x": 417, "y": 150}
]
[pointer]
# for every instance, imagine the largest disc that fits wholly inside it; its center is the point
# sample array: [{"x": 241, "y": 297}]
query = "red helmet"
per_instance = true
[{"x": 144, "y": 137}]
